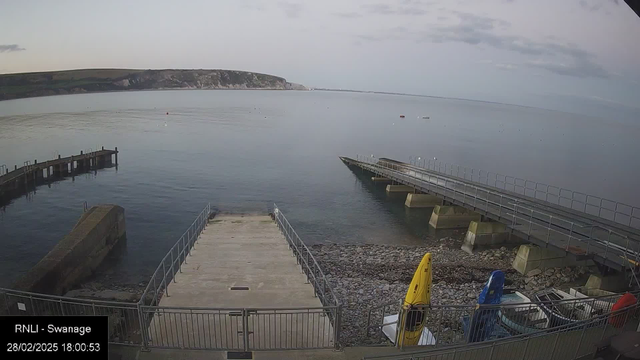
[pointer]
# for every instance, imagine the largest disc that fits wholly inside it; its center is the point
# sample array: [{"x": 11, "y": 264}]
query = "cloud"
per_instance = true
[
  {"x": 370, "y": 38},
  {"x": 417, "y": 2},
  {"x": 595, "y": 5},
  {"x": 499, "y": 65},
  {"x": 479, "y": 30},
  {"x": 10, "y": 48},
  {"x": 506, "y": 66},
  {"x": 549, "y": 54},
  {"x": 348, "y": 15},
  {"x": 386, "y": 9},
  {"x": 292, "y": 10},
  {"x": 252, "y": 5},
  {"x": 581, "y": 68}
]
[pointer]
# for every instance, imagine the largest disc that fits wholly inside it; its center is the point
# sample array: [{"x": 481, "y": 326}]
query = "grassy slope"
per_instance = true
[{"x": 27, "y": 82}]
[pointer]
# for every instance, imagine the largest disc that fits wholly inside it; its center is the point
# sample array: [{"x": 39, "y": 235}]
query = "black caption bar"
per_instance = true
[{"x": 40, "y": 337}]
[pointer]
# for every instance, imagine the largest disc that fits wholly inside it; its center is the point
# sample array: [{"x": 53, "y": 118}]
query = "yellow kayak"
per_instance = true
[{"x": 418, "y": 297}]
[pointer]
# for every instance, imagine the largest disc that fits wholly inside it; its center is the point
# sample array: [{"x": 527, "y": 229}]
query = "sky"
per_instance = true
[{"x": 564, "y": 55}]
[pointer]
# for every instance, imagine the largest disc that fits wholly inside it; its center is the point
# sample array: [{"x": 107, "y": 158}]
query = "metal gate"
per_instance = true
[{"x": 239, "y": 329}]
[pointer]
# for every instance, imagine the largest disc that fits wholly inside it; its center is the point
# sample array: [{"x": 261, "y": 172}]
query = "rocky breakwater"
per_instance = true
[{"x": 367, "y": 276}]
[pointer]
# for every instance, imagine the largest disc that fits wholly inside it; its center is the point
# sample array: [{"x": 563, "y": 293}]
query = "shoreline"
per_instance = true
[
  {"x": 144, "y": 90},
  {"x": 369, "y": 275}
]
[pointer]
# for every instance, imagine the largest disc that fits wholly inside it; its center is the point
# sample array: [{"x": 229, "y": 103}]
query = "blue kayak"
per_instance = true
[{"x": 483, "y": 321}]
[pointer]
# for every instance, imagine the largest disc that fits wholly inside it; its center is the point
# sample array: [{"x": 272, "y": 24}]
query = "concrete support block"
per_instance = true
[
  {"x": 422, "y": 201},
  {"x": 614, "y": 283},
  {"x": 486, "y": 234},
  {"x": 399, "y": 188},
  {"x": 531, "y": 257},
  {"x": 78, "y": 254},
  {"x": 380, "y": 179},
  {"x": 452, "y": 217}
]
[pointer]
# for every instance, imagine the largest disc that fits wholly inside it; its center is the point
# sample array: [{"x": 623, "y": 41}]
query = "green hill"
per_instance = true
[{"x": 15, "y": 86}]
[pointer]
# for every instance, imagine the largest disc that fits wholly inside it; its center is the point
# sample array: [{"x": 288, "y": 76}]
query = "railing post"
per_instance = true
[
  {"x": 530, "y": 222},
  {"x": 606, "y": 249},
  {"x": 164, "y": 279},
  {"x": 337, "y": 327},
  {"x": 245, "y": 329},
  {"x": 184, "y": 249},
  {"x": 155, "y": 290},
  {"x": 580, "y": 343},
  {"x": 143, "y": 328},
  {"x": 475, "y": 197},
  {"x": 555, "y": 344},
  {"x": 526, "y": 347},
  {"x": 179, "y": 257},
  {"x": 590, "y": 238},
  {"x": 493, "y": 346},
  {"x": 173, "y": 270},
  {"x": 604, "y": 329}
]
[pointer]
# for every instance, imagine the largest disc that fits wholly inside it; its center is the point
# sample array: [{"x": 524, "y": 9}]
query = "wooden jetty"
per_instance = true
[{"x": 21, "y": 179}]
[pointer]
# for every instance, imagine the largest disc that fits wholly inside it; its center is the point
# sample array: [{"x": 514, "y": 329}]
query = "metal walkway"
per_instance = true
[{"x": 543, "y": 223}]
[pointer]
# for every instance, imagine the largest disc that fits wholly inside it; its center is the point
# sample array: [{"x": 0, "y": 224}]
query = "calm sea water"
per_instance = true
[{"x": 244, "y": 150}]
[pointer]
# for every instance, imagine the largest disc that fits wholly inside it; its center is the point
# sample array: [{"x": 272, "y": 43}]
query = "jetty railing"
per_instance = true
[
  {"x": 306, "y": 260},
  {"x": 240, "y": 329},
  {"x": 310, "y": 267},
  {"x": 172, "y": 262},
  {"x": 616, "y": 211},
  {"x": 569, "y": 341}
]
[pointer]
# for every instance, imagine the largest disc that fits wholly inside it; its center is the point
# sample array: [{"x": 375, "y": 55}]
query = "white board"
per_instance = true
[{"x": 390, "y": 329}]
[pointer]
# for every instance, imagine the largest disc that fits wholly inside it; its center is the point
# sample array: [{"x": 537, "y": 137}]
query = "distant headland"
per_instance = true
[{"x": 23, "y": 85}]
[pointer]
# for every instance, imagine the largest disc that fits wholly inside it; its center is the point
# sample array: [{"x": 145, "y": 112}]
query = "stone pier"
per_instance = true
[
  {"x": 452, "y": 217},
  {"x": 486, "y": 234},
  {"x": 399, "y": 188},
  {"x": 377, "y": 179},
  {"x": 78, "y": 254},
  {"x": 532, "y": 257},
  {"x": 422, "y": 201},
  {"x": 615, "y": 282}
]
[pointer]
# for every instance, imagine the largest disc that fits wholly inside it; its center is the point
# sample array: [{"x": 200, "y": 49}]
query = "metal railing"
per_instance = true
[
  {"x": 606, "y": 246},
  {"x": 242, "y": 329},
  {"x": 593, "y": 205},
  {"x": 306, "y": 260},
  {"x": 569, "y": 341},
  {"x": 310, "y": 267},
  {"x": 458, "y": 324},
  {"x": 172, "y": 262},
  {"x": 124, "y": 326}
]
